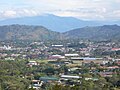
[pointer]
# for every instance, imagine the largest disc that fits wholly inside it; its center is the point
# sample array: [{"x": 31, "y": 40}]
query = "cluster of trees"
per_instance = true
[{"x": 12, "y": 75}]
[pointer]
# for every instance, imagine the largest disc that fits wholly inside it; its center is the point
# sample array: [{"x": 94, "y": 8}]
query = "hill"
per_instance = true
[
  {"x": 105, "y": 32},
  {"x": 25, "y": 32}
]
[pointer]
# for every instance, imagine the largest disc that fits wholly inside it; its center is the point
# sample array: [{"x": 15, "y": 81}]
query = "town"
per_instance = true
[{"x": 56, "y": 65}]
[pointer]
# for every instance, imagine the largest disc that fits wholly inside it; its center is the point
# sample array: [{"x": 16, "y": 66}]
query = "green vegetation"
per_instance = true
[
  {"x": 16, "y": 75},
  {"x": 12, "y": 75}
]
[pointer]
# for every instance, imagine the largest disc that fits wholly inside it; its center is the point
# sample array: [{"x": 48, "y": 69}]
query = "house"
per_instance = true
[
  {"x": 115, "y": 49},
  {"x": 57, "y": 45},
  {"x": 49, "y": 79},
  {"x": 36, "y": 84},
  {"x": 87, "y": 60},
  {"x": 70, "y": 80},
  {"x": 94, "y": 79},
  {"x": 70, "y": 77},
  {"x": 71, "y": 55},
  {"x": 56, "y": 57},
  {"x": 113, "y": 67},
  {"x": 32, "y": 63},
  {"x": 106, "y": 74}
]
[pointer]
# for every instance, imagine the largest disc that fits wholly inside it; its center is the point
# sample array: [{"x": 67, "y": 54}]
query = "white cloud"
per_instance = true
[
  {"x": 83, "y": 9},
  {"x": 116, "y": 14},
  {"x": 18, "y": 13},
  {"x": 27, "y": 12},
  {"x": 9, "y": 13}
]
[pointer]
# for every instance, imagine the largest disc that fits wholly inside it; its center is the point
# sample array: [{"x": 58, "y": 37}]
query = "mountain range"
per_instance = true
[
  {"x": 31, "y": 32},
  {"x": 55, "y": 23}
]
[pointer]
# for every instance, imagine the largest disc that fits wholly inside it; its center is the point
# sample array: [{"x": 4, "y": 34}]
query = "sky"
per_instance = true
[{"x": 81, "y": 9}]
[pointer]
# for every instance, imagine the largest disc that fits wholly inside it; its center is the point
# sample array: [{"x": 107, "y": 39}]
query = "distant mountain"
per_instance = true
[
  {"x": 55, "y": 23},
  {"x": 25, "y": 32},
  {"x": 105, "y": 32}
]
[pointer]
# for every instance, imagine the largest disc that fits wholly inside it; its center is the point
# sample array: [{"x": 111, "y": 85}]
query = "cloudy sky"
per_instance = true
[{"x": 82, "y": 9}]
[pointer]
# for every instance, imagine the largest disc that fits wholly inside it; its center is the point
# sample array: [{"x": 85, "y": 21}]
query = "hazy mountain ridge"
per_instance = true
[{"x": 53, "y": 22}]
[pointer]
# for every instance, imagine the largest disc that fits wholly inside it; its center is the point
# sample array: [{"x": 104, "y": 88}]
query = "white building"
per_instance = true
[{"x": 72, "y": 55}]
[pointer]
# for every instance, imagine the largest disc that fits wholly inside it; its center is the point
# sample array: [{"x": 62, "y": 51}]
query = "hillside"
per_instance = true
[
  {"x": 95, "y": 33},
  {"x": 25, "y": 32}
]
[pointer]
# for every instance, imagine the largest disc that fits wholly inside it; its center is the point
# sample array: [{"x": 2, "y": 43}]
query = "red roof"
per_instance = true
[{"x": 115, "y": 49}]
